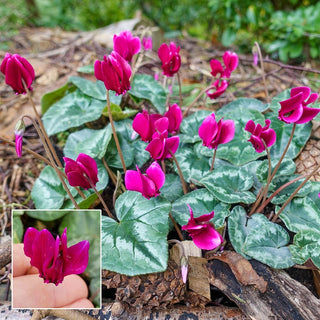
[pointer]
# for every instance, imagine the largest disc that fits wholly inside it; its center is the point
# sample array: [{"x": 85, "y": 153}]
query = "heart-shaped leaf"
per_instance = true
[
  {"x": 240, "y": 225},
  {"x": 144, "y": 86},
  {"x": 306, "y": 245},
  {"x": 72, "y": 111},
  {"x": 201, "y": 202},
  {"x": 230, "y": 185},
  {"x": 95, "y": 90},
  {"x": 301, "y": 214},
  {"x": 137, "y": 244},
  {"x": 268, "y": 244}
]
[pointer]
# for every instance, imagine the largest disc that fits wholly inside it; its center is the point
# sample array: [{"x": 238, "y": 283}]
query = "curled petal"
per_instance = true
[
  {"x": 257, "y": 143},
  {"x": 208, "y": 238},
  {"x": 216, "y": 67},
  {"x": 155, "y": 173}
]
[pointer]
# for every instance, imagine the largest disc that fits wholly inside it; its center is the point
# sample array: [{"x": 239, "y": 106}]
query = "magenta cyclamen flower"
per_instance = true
[
  {"x": 17, "y": 70},
  {"x": 202, "y": 231},
  {"x": 161, "y": 146},
  {"x": 220, "y": 88},
  {"x": 83, "y": 172},
  {"x": 174, "y": 115},
  {"x": 216, "y": 67},
  {"x": 52, "y": 257},
  {"x": 231, "y": 61},
  {"x": 126, "y": 45},
  {"x": 148, "y": 184},
  {"x": 147, "y": 43},
  {"x": 18, "y": 132},
  {"x": 114, "y": 71},
  {"x": 295, "y": 110},
  {"x": 260, "y": 134},
  {"x": 170, "y": 58},
  {"x": 144, "y": 124},
  {"x": 214, "y": 133}
]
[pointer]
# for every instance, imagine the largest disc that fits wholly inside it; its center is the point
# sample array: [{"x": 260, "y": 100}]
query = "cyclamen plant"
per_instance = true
[{"x": 206, "y": 172}]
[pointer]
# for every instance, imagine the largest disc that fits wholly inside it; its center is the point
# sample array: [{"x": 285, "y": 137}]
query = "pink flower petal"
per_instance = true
[{"x": 155, "y": 173}]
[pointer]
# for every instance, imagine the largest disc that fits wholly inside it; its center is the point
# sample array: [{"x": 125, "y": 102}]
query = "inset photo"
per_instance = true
[{"x": 56, "y": 259}]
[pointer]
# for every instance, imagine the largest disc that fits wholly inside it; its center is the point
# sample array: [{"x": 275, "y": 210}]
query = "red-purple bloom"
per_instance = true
[
  {"x": 144, "y": 124},
  {"x": 295, "y": 110},
  {"x": 202, "y": 231},
  {"x": 114, "y": 71},
  {"x": 216, "y": 67},
  {"x": 18, "y": 132},
  {"x": 161, "y": 146},
  {"x": 214, "y": 133},
  {"x": 147, "y": 43},
  {"x": 174, "y": 115},
  {"x": 83, "y": 172},
  {"x": 52, "y": 257},
  {"x": 260, "y": 134},
  {"x": 230, "y": 60},
  {"x": 126, "y": 45},
  {"x": 17, "y": 70},
  {"x": 170, "y": 58},
  {"x": 220, "y": 88},
  {"x": 148, "y": 184}
]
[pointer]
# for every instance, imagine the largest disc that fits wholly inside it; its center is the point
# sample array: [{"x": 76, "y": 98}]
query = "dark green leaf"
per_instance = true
[
  {"x": 118, "y": 113},
  {"x": 247, "y": 103},
  {"x": 144, "y": 86},
  {"x": 137, "y": 244},
  {"x": 172, "y": 188}
]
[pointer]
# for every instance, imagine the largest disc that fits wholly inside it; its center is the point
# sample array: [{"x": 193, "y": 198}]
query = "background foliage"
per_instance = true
[{"x": 286, "y": 29}]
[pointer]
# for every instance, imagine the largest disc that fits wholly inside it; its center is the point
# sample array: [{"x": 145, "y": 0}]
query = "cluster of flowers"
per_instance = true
[{"x": 115, "y": 71}]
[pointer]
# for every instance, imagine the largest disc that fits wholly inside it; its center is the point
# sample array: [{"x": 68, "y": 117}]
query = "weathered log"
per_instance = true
[{"x": 285, "y": 298}]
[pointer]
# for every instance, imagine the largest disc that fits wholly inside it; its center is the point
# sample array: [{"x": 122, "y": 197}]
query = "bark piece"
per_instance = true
[{"x": 285, "y": 298}]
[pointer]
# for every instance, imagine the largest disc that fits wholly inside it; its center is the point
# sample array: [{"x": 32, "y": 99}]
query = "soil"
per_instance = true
[{"x": 56, "y": 55}]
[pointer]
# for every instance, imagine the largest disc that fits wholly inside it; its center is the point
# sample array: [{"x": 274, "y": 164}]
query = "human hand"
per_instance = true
[{"x": 29, "y": 290}]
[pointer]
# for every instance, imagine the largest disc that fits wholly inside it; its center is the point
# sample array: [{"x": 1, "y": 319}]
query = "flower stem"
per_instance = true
[
  {"x": 265, "y": 203},
  {"x": 180, "y": 89},
  {"x": 176, "y": 227},
  {"x": 196, "y": 99},
  {"x": 213, "y": 159},
  {"x": 43, "y": 130},
  {"x": 284, "y": 152},
  {"x": 184, "y": 186},
  {"x": 295, "y": 192},
  {"x": 115, "y": 133},
  {"x": 100, "y": 198},
  {"x": 263, "y": 72}
]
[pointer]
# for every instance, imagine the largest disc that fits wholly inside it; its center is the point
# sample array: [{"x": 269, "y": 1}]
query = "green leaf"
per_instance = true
[
  {"x": 240, "y": 225},
  {"x": 52, "y": 97},
  {"x": 72, "y": 111},
  {"x": 144, "y": 86},
  {"x": 17, "y": 229},
  {"x": 306, "y": 245},
  {"x": 118, "y": 113},
  {"x": 137, "y": 244},
  {"x": 192, "y": 164},
  {"x": 86, "y": 69},
  {"x": 268, "y": 244},
  {"x": 172, "y": 188},
  {"x": 283, "y": 132},
  {"x": 230, "y": 185},
  {"x": 189, "y": 126},
  {"x": 201, "y": 202},
  {"x": 91, "y": 142},
  {"x": 95, "y": 90},
  {"x": 247, "y": 103},
  {"x": 46, "y": 215},
  {"x": 301, "y": 214}
]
